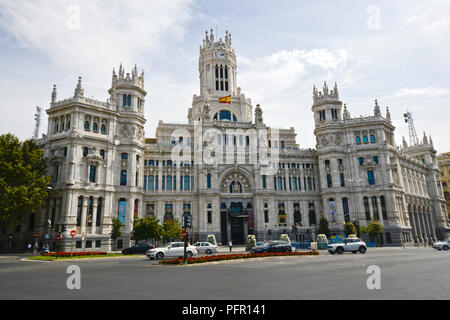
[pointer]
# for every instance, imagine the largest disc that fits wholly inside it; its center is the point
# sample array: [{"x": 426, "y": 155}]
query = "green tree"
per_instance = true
[
  {"x": 349, "y": 228},
  {"x": 171, "y": 230},
  {"x": 23, "y": 180},
  {"x": 116, "y": 231},
  {"x": 323, "y": 226},
  {"x": 374, "y": 229},
  {"x": 145, "y": 229}
]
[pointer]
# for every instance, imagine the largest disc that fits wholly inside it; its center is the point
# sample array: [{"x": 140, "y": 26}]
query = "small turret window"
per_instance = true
[
  {"x": 372, "y": 138},
  {"x": 365, "y": 140},
  {"x": 358, "y": 140}
]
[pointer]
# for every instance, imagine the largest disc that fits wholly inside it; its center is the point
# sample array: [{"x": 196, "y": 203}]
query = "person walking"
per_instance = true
[{"x": 230, "y": 244}]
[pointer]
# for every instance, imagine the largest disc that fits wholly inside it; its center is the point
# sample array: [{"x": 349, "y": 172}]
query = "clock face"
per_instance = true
[{"x": 220, "y": 54}]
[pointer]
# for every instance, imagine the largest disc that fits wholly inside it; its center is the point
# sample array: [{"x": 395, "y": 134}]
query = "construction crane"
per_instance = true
[
  {"x": 413, "y": 140},
  {"x": 37, "y": 118}
]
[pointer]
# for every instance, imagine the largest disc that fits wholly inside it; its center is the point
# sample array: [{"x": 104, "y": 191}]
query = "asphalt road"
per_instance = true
[{"x": 413, "y": 273}]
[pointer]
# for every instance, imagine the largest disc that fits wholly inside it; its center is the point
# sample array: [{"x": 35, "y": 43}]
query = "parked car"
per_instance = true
[
  {"x": 44, "y": 249},
  {"x": 348, "y": 245},
  {"x": 442, "y": 245},
  {"x": 172, "y": 250},
  {"x": 205, "y": 247},
  {"x": 138, "y": 248},
  {"x": 273, "y": 246}
]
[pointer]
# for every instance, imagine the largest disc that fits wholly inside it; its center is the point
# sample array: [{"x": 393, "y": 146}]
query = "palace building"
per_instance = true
[{"x": 228, "y": 171}]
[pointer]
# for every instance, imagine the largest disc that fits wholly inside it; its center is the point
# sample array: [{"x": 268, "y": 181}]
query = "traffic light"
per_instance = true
[{"x": 10, "y": 236}]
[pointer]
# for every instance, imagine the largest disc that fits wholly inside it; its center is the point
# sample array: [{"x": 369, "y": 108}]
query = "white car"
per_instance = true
[
  {"x": 442, "y": 245},
  {"x": 172, "y": 250},
  {"x": 353, "y": 245},
  {"x": 205, "y": 247}
]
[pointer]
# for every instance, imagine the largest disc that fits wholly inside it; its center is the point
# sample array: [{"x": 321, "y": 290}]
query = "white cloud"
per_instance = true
[
  {"x": 106, "y": 34},
  {"x": 426, "y": 92}
]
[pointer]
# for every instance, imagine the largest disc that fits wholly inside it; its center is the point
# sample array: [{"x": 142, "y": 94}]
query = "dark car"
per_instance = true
[
  {"x": 274, "y": 246},
  {"x": 138, "y": 248}
]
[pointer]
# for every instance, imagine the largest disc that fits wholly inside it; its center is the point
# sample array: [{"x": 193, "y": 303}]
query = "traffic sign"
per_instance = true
[
  {"x": 47, "y": 236},
  {"x": 36, "y": 235},
  {"x": 58, "y": 237},
  {"x": 184, "y": 234},
  {"x": 73, "y": 233}
]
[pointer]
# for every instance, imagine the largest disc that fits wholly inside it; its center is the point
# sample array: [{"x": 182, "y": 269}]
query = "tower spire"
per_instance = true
[
  {"x": 377, "y": 111},
  {"x": 79, "y": 91},
  {"x": 54, "y": 94}
]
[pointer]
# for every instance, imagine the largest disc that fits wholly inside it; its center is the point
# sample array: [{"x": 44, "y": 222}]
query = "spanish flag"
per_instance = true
[{"x": 226, "y": 99}]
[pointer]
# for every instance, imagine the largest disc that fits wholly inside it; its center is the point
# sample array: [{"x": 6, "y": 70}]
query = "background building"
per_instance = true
[
  {"x": 444, "y": 165},
  {"x": 227, "y": 170}
]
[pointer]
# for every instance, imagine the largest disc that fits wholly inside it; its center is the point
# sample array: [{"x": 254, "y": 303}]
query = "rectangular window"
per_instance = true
[
  {"x": 92, "y": 173},
  {"x": 209, "y": 217},
  {"x": 341, "y": 176},
  {"x": 371, "y": 177},
  {"x": 329, "y": 181},
  {"x": 264, "y": 185}
]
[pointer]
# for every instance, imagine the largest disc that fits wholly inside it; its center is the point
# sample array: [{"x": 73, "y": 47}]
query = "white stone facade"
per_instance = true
[{"x": 102, "y": 166}]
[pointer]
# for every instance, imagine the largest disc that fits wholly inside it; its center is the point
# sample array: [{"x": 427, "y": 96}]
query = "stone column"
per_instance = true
[
  {"x": 419, "y": 226},
  {"x": 94, "y": 215},
  {"x": 83, "y": 220},
  {"x": 424, "y": 228}
]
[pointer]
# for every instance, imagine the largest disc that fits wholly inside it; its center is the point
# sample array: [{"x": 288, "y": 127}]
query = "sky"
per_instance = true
[{"x": 394, "y": 51}]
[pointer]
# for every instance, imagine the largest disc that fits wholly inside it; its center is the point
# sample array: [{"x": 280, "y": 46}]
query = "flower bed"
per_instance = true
[
  {"x": 75, "y": 254},
  {"x": 225, "y": 257}
]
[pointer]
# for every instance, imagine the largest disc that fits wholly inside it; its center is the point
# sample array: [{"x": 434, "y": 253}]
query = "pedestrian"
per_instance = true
[{"x": 230, "y": 244}]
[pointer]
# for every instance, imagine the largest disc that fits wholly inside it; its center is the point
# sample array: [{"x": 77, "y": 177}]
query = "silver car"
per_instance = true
[
  {"x": 353, "y": 245},
  {"x": 205, "y": 247},
  {"x": 442, "y": 245},
  {"x": 172, "y": 250}
]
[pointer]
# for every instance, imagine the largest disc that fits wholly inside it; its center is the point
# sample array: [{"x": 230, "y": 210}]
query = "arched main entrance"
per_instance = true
[{"x": 236, "y": 206}]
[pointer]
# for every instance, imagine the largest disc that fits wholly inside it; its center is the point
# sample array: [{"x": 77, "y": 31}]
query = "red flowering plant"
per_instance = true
[{"x": 236, "y": 256}]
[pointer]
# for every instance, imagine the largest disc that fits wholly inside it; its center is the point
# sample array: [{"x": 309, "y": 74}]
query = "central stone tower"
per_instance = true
[{"x": 217, "y": 73}]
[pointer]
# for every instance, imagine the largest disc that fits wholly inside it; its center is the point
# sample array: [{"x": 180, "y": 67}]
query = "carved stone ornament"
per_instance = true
[{"x": 127, "y": 131}]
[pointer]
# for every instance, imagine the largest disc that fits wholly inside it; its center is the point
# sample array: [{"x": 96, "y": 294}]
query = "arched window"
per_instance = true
[
  {"x": 235, "y": 187},
  {"x": 87, "y": 125},
  {"x": 383, "y": 207},
  {"x": 95, "y": 127},
  {"x": 123, "y": 177},
  {"x": 375, "y": 208},
  {"x": 346, "y": 209},
  {"x": 85, "y": 151},
  {"x": 365, "y": 140},
  {"x": 124, "y": 104},
  {"x": 372, "y": 138},
  {"x": 361, "y": 160},
  {"x": 124, "y": 156},
  {"x": 80, "y": 205},
  {"x": 312, "y": 215},
  {"x": 375, "y": 159},
  {"x": 102, "y": 153},
  {"x": 129, "y": 100},
  {"x": 103, "y": 129},
  {"x": 224, "y": 115},
  {"x": 366, "y": 208},
  {"x": 358, "y": 140},
  {"x": 297, "y": 214},
  {"x": 98, "y": 219}
]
